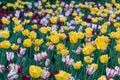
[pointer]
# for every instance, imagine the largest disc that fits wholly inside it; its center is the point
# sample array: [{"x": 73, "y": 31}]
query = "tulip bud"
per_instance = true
[
  {"x": 9, "y": 56},
  {"x": 19, "y": 40},
  {"x": 47, "y": 62},
  {"x": 78, "y": 51}
]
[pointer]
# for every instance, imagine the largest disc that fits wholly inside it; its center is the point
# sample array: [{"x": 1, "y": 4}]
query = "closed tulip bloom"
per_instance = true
[
  {"x": 5, "y": 34},
  {"x": 35, "y": 71},
  {"x": 5, "y": 44},
  {"x": 37, "y": 57},
  {"x": 5, "y": 21},
  {"x": 88, "y": 59},
  {"x": 21, "y": 51},
  {"x": 9, "y": 56},
  {"x": 27, "y": 43},
  {"x": 104, "y": 59},
  {"x": 117, "y": 47},
  {"x": 62, "y": 75},
  {"x": 77, "y": 65}
]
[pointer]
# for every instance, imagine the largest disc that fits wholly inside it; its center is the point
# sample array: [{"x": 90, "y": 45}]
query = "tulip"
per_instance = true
[
  {"x": 9, "y": 56},
  {"x": 67, "y": 60},
  {"x": 44, "y": 55},
  {"x": 117, "y": 70},
  {"x": 12, "y": 66},
  {"x": 51, "y": 47},
  {"x": 2, "y": 68},
  {"x": 110, "y": 73},
  {"x": 46, "y": 75},
  {"x": 90, "y": 71},
  {"x": 21, "y": 51},
  {"x": 20, "y": 69},
  {"x": 78, "y": 51},
  {"x": 37, "y": 57},
  {"x": 12, "y": 75},
  {"x": 19, "y": 40},
  {"x": 47, "y": 62}
]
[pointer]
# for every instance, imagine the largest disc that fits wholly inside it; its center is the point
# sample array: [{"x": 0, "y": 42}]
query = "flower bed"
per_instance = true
[{"x": 44, "y": 41}]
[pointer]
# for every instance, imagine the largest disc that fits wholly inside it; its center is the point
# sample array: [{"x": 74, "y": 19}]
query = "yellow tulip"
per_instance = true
[
  {"x": 5, "y": 34},
  {"x": 35, "y": 71},
  {"x": 102, "y": 78},
  {"x": 62, "y": 75},
  {"x": 5, "y": 44},
  {"x": 77, "y": 65},
  {"x": 104, "y": 58},
  {"x": 27, "y": 43},
  {"x": 88, "y": 59}
]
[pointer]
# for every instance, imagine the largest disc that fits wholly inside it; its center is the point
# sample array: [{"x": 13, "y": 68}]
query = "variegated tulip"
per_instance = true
[
  {"x": 19, "y": 40},
  {"x": 15, "y": 67},
  {"x": 67, "y": 60},
  {"x": 46, "y": 75},
  {"x": 51, "y": 47},
  {"x": 9, "y": 56},
  {"x": 37, "y": 57},
  {"x": 110, "y": 73},
  {"x": 44, "y": 55},
  {"x": 90, "y": 71},
  {"x": 21, "y": 52},
  {"x": 12, "y": 75},
  {"x": 2, "y": 68},
  {"x": 117, "y": 70},
  {"x": 78, "y": 51},
  {"x": 47, "y": 62}
]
